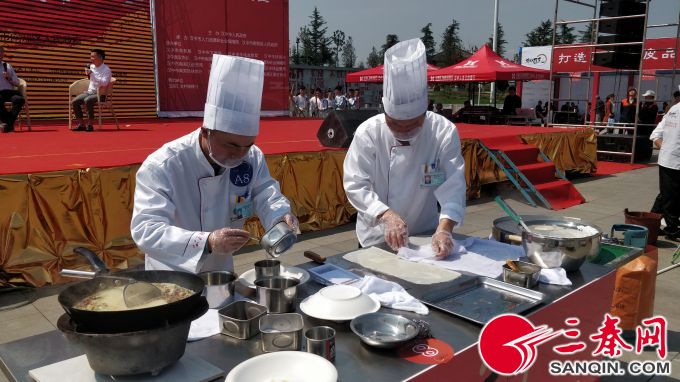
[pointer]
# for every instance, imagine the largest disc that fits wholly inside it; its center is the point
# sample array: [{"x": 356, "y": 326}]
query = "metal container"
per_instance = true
[
  {"x": 267, "y": 268},
  {"x": 549, "y": 251},
  {"x": 277, "y": 293},
  {"x": 137, "y": 352},
  {"x": 219, "y": 287},
  {"x": 526, "y": 278},
  {"x": 241, "y": 319},
  {"x": 281, "y": 332},
  {"x": 384, "y": 330},
  {"x": 320, "y": 340},
  {"x": 278, "y": 239}
]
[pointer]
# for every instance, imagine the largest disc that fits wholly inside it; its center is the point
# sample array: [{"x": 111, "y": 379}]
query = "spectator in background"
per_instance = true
[
  {"x": 430, "y": 105},
  {"x": 316, "y": 104},
  {"x": 330, "y": 101},
  {"x": 666, "y": 138},
  {"x": 599, "y": 109},
  {"x": 512, "y": 102},
  {"x": 358, "y": 99},
  {"x": 439, "y": 108},
  {"x": 627, "y": 109},
  {"x": 301, "y": 103},
  {"x": 460, "y": 114},
  {"x": 340, "y": 102},
  {"x": 350, "y": 99},
  {"x": 100, "y": 77},
  {"x": 538, "y": 109},
  {"x": 8, "y": 80},
  {"x": 609, "y": 117},
  {"x": 647, "y": 114}
]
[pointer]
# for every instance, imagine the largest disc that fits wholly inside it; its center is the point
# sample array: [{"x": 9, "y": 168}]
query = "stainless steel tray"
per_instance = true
[{"x": 482, "y": 298}]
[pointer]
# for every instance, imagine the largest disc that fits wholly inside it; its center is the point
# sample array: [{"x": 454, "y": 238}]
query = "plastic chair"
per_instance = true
[{"x": 24, "y": 110}]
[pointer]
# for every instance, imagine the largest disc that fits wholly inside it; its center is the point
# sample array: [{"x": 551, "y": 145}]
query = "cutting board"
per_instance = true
[
  {"x": 187, "y": 369},
  {"x": 388, "y": 263}
]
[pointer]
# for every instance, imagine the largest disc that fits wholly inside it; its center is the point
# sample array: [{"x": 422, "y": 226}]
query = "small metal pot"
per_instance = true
[
  {"x": 527, "y": 277},
  {"x": 281, "y": 332},
  {"x": 241, "y": 319},
  {"x": 219, "y": 287},
  {"x": 277, "y": 293},
  {"x": 278, "y": 239}
]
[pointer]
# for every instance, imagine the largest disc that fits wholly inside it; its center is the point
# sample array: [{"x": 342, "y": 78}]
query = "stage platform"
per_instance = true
[{"x": 61, "y": 189}]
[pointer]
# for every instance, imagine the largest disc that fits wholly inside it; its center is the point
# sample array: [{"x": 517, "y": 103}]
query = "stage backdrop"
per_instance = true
[
  {"x": 189, "y": 32},
  {"x": 48, "y": 43}
]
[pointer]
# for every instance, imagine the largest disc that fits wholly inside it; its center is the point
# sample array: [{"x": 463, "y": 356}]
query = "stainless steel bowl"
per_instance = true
[
  {"x": 241, "y": 319},
  {"x": 219, "y": 287},
  {"x": 277, "y": 293},
  {"x": 281, "y": 332},
  {"x": 278, "y": 239},
  {"x": 549, "y": 251},
  {"x": 384, "y": 330}
]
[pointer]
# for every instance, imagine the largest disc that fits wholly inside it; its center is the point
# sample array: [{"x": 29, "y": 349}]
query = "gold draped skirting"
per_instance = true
[{"x": 44, "y": 216}]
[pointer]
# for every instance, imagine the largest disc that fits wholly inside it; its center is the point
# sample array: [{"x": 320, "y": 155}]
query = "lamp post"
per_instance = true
[
  {"x": 297, "y": 50},
  {"x": 492, "y": 96}
]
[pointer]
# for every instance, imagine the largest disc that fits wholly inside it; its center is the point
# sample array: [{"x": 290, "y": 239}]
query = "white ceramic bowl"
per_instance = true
[
  {"x": 284, "y": 366},
  {"x": 338, "y": 303},
  {"x": 248, "y": 277}
]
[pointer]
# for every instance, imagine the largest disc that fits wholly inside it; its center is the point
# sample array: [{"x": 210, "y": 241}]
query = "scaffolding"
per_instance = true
[{"x": 607, "y": 130}]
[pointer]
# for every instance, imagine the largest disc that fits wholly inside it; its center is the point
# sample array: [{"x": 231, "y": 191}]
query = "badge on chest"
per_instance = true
[
  {"x": 242, "y": 203},
  {"x": 431, "y": 175}
]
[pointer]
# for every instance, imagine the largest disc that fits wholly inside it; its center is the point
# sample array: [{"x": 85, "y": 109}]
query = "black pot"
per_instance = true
[{"x": 135, "y": 352}]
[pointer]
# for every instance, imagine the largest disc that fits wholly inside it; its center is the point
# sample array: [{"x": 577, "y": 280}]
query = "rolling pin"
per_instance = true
[{"x": 315, "y": 257}]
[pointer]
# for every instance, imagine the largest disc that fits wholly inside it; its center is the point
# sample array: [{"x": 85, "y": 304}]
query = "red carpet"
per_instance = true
[
  {"x": 609, "y": 168},
  {"x": 51, "y": 147}
]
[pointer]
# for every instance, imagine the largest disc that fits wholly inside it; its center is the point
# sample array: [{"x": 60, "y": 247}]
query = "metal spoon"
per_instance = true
[
  {"x": 513, "y": 215},
  {"x": 512, "y": 266}
]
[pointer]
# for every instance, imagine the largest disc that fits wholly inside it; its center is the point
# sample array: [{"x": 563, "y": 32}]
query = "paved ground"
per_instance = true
[{"x": 606, "y": 196}]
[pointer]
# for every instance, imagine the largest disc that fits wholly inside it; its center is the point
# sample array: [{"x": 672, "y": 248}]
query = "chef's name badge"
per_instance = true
[
  {"x": 432, "y": 179},
  {"x": 241, "y": 175},
  {"x": 243, "y": 208}
]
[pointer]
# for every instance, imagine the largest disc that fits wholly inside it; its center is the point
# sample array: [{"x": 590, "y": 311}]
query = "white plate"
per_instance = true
[
  {"x": 284, "y": 366},
  {"x": 338, "y": 303},
  {"x": 248, "y": 277}
]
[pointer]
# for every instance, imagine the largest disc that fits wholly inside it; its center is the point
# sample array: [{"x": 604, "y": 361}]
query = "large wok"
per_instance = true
[{"x": 127, "y": 320}]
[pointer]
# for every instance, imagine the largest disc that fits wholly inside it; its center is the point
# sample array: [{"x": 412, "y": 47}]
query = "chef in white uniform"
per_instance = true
[
  {"x": 194, "y": 193},
  {"x": 402, "y": 163},
  {"x": 666, "y": 138}
]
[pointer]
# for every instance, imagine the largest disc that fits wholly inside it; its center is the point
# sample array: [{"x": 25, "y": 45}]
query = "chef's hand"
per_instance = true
[
  {"x": 226, "y": 240},
  {"x": 292, "y": 222},
  {"x": 396, "y": 231},
  {"x": 442, "y": 244}
]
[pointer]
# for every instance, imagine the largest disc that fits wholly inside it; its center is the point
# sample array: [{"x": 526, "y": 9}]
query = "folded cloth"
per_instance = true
[
  {"x": 205, "y": 326},
  {"x": 556, "y": 276},
  {"x": 390, "y": 294},
  {"x": 478, "y": 256}
]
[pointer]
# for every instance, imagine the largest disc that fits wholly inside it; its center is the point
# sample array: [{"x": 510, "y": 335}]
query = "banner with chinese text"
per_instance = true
[{"x": 188, "y": 33}]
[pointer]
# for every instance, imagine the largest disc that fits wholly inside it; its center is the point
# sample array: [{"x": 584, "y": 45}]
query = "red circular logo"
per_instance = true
[
  {"x": 507, "y": 344},
  {"x": 428, "y": 351}
]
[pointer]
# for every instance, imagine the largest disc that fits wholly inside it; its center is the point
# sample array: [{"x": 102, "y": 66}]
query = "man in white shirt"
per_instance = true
[
  {"x": 340, "y": 102},
  {"x": 666, "y": 138},
  {"x": 194, "y": 194},
  {"x": 301, "y": 103},
  {"x": 100, "y": 77},
  {"x": 8, "y": 81},
  {"x": 403, "y": 163},
  {"x": 317, "y": 104}
]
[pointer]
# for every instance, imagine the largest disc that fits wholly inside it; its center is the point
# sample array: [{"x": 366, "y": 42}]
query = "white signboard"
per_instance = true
[{"x": 536, "y": 56}]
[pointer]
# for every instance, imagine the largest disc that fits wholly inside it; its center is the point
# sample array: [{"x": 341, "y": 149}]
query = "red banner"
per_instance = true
[
  {"x": 188, "y": 33},
  {"x": 659, "y": 54}
]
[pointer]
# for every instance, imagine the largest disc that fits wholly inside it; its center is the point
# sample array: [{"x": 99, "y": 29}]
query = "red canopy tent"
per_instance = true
[
  {"x": 374, "y": 75},
  {"x": 485, "y": 66}
]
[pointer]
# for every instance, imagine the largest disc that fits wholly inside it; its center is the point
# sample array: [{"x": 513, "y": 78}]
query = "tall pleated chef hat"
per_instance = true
[
  {"x": 405, "y": 80},
  {"x": 234, "y": 95}
]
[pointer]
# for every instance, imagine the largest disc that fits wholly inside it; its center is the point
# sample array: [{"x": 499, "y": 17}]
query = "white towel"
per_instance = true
[
  {"x": 478, "y": 256},
  {"x": 556, "y": 276},
  {"x": 205, "y": 326},
  {"x": 390, "y": 294}
]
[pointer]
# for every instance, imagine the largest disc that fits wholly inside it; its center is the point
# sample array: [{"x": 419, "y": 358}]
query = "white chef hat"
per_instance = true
[
  {"x": 234, "y": 95},
  {"x": 405, "y": 80}
]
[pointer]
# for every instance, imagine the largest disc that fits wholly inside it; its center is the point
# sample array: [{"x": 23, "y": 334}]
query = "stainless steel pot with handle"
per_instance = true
[{"x": 548, "y": 249}]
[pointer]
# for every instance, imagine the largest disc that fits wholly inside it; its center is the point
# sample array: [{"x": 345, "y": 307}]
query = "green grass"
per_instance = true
[{"x": 449, "y": 94}]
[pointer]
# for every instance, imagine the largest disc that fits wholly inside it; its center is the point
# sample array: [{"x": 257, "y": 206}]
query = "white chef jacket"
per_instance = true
[
  {"x": 380, "y": 173},
  {"x": 669, "y": 130},
  {"x": 179, "y": 201}
]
